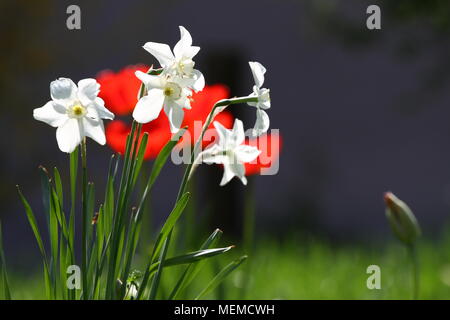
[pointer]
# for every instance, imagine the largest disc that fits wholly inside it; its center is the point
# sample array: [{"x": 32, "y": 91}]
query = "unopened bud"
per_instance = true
[{"x": 403, "y": 222}]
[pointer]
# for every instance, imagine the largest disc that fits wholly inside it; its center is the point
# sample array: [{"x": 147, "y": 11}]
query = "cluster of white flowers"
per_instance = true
[
  {"x": 172, "y": 88},
  {"x": 77, "y": 112}
]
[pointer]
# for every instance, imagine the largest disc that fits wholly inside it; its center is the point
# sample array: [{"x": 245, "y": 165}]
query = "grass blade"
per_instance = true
[
  {"x": 194, "y": 268},
  {"x": 196, "y": 256},
  {"x": 6, "y": 290},
  {"x": 140, "y": 157},
  {"x": 33, "y": 223},
  {"x": 32, "y": 220},
  {"x": 157, "y": 278},
  {"x": 58, "y": 185},
  {"x": 179, "y": 260},
  {"x": 170, "y": 222},
  {"x": 221, "y": 276}
]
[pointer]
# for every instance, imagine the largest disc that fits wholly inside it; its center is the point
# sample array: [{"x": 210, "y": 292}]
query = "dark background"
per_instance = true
[{"x": 361, "y": 112}]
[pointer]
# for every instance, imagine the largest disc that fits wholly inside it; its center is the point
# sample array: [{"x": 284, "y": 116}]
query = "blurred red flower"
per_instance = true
[
  {"x": 120, "y": 90},
  {"x": 270, "y": 147}
]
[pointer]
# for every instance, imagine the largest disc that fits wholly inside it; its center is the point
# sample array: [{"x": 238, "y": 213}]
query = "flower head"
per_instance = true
[
  {"x": 163, "y": 91},
  {"x": 230, "y": 151},
  {"x": 263, "y": 95},
  {"x": 179, "y": 63},
  {"x": 172, "y": 88},
  {"x": 402, "y": 220},
  {"x": 76, "y": 112}
]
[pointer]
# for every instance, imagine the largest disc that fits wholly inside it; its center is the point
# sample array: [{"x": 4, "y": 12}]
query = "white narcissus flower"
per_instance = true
[
  {"x": 162, "y": 91},
  {"x": 76, "y": 112},
  {"x": 179, "y": 62},
  {"x": 262, "y": 119},
  {"x": 230, "y": 152}
]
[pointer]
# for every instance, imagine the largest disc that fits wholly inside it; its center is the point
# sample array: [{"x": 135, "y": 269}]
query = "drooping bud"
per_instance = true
[{"x": 402, "y": 220}]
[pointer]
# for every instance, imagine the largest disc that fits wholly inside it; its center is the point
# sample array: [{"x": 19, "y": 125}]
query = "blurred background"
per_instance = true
[{"x": 361, "y": 112}]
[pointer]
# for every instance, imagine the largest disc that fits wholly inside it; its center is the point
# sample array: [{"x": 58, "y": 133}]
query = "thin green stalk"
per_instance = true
[
  {"x": 412, "y": 249},
  {"x": 84, "y": 191},
  {"x": 73, "y": 184},
  {"x": 190, "y": 227},
  {"x": 248, "y": 233}
]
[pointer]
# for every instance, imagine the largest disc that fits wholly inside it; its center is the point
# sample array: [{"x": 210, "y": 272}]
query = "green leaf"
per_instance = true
[
  {"x": 63, "y": 268},
  {"x": 73, "y": 172},
  {"x": 190, "y": 257},
  {"x": 163, "y": 235},
  {"x": 54, "y": 245},
  {"x": 33, "y": 223},
  {"x": 73, "y": 158},
  {"x": 6, "y": 290},
  {"x": 58, "y": 186},
  {"x": 107, "y": 218},
  {"x": 52, "y": 224},
  {"x": 73, "y": 186},
  {"x": 140, "y": 157},
  {"x": 196, "y": 256},
  {"x": 194, "y": 268},
  {"x": 34, "y": 227},
  {"x": 170, "y": 222},
  {"x": 61, "y": 218},
  {"x": 221, "y": 276},
  {"x": 90, "y": 210},
  {"x": 157, "y": 278}
]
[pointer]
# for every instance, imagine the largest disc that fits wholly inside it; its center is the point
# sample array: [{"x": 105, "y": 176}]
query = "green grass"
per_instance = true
[
  {"x": 317, "y": 270},
  {"x": 307, "y": 270}
]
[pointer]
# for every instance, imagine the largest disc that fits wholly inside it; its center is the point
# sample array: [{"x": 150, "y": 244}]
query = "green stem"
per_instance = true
[
  {"x": 84, "y": 187},
  {"x": 415, "y": 270},
  {"x": 73, "y": 183},
  {"x": 248, "y": 233}
]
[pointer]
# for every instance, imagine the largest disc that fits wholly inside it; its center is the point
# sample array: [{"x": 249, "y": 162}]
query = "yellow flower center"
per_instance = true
[
  {"x": 168, "y": 91},
  {"x": 77, "y": 110},
  {"x": 172, "y": 91}
]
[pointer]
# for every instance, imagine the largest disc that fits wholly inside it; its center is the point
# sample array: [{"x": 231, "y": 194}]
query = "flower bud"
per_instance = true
[{"x": 403, "y": 222}]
